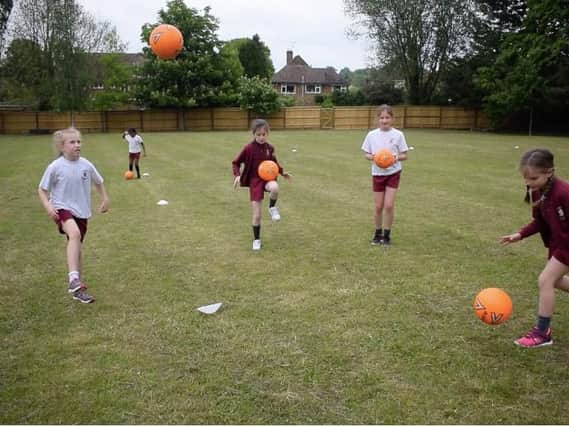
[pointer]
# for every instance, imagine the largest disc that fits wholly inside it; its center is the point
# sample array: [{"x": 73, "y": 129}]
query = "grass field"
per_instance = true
[{"x": 319, "y": 327}]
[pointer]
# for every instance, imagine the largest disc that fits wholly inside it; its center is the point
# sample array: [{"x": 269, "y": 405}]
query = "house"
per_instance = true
[{"x": 300, "y": 80}]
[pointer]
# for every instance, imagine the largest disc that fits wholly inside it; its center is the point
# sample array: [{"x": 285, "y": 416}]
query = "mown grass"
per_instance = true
[{"x": 317, "y": 328}]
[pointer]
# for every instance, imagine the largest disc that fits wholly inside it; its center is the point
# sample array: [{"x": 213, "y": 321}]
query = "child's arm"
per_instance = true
[
  {"x": 104, "y": 206},
  {"x": 143, "y": 148},
  {"x": 44, "y": 198}
]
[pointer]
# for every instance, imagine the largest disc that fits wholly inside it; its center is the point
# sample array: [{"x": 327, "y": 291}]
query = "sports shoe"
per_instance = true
[
  {"x": 275, "y": 215},
  {"x": 535, "y": 338},
  {"x": 83, "y": 297},
  {"x": 385, "y": 242},
  {"x": 76, "y": 285},
  {"x": 256, "y": 245},
  {"x": 377, "y": 240}
]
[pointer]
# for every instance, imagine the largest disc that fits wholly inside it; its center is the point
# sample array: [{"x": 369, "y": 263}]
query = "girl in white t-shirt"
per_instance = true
[
  {"x": 135, "y": 146},
  {"x": 385, "y": 181},
  {"x": 65, "y": 193}
]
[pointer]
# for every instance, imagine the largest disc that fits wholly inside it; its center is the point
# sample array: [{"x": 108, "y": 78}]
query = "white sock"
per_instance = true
[{"x": 73, "y": 275}]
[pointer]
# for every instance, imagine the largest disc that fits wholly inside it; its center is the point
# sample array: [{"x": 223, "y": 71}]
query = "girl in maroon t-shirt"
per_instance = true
[
  {"x": 251, "y": 157},
  {"x": 549, "y": 197}
]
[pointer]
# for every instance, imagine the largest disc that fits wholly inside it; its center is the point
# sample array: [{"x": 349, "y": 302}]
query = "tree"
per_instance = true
[
  {"x": 523, "y": 75},
  {"x": 258, "y": 96},
  {"x": 63, "y": 36},
  {"x": 117, "y": 79},
  {"x": 419, "y": 36},
  {"x": 5, "y": 9},
  {"x": 202, "y": 74},
  {"x": 255, "y": 57}
]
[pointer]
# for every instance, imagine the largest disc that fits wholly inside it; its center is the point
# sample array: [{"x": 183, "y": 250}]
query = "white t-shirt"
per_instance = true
[
  {"x": 69, "y": 185},
  {"x": 393, "y": 140},
  {"x": 134, "y": 143}
]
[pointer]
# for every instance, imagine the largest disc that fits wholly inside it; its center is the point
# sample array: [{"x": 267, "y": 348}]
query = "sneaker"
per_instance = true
[
  {"x": 256, "y": 245},
  {"x": 275, "y": 215},
  {"x": 83, "y": 297},
  {"x": 377, "y": 240},
  {"x": 76, "y": 285},
  {"x": 535, "y": 338},
  {"x": 385, "y": 242}
]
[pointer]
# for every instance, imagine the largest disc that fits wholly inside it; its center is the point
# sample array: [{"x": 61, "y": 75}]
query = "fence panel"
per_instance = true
[
  {"x": 89, "y": 121},
  {"x": 353, "y": 117},
  {"x": 423, "y": 116},
  {"x": 205, "y": 119},
  {"x": 303, "y": 118},
  {"x": 159, "y": 121},
  {"x": 230, "y": 119},
  {"x": 19, "y": 122},
  {"x": 198, "y": 119}
]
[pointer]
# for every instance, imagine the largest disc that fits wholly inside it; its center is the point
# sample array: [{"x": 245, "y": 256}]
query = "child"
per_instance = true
[
  {"x": 65, "y": 193},
  {"x": 251, "y": 157},
  {"x": 135, "y": 142},
  {"x": 385, "y": 182},
  {"x": 549, "y": 198}
]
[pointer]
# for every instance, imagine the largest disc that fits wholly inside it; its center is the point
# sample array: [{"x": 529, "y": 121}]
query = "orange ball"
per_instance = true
[
  {"x": 493, "y": 306},
  {"x": 384, "y": 158},
  {"x": 166, "y": 41},
  {"x": 268, "y": 170},
  {"x": 129, "y": 175}
]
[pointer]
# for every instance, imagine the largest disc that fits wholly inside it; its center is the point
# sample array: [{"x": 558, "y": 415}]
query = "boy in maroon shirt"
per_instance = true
[
  {"x": 549, "y": 197},
  {"x": 251, "y": 157}
]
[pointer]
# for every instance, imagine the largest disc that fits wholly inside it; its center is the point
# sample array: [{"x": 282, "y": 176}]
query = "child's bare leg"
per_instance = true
[
  {"x": 378, "y": 198},
  {"x": 552, "y": 276}
]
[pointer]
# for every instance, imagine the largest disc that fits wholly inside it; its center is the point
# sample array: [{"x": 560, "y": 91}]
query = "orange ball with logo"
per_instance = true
[
  {"x": 493, "y": 306},
  {"x": 166, "y": 41},
  {"x": 384, "y": 158},
  {"x": 128, "y": 175},
  {"x": 268, "y": 170}
]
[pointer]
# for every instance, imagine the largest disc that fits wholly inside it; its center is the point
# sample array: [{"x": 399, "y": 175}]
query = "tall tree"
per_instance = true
[
  {"x": 524, "y": 73},
  {"x": 65, "y": 35},
  {"x": 201, "y": 75},
  {"x": 255, "y": 57},
  {"x": 5, "y": 9},
  {"x": 419, "y": 36}
]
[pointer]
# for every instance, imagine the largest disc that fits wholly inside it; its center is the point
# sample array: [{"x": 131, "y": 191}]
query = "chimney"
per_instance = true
[{"x": 288, "y": 57}]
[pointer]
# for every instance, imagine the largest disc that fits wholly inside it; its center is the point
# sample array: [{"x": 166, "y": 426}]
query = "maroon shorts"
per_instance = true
[
  {"x": 257, "y": 189},
  {"x": 65, "y": 215},
  {"x": 133, "y": 156},
  {"x": 560, "y": 255},
  {"x": 379, "y": 182}
]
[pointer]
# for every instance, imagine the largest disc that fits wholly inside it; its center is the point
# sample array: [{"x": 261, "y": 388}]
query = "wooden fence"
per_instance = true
[{"x": 207, "y": 119}]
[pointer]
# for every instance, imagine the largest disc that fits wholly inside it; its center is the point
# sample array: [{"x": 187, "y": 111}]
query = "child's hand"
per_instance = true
[
  {"x": 236, "y": 182},
  {"x": 104, "y": 207},
  {"x": 287, "y": 176},
  {"x": 510, "y": 238},
  {"x": 53, "y": 214}
]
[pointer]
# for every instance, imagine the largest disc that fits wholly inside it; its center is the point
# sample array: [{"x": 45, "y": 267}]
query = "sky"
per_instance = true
[{"x": 314, "y": 29}]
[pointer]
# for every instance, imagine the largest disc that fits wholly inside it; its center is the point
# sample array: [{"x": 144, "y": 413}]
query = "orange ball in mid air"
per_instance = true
[{"x": 166, "y": 41}]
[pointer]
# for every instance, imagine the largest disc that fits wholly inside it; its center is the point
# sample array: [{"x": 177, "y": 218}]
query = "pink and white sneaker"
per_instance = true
[{"x": 535, "y": 338}]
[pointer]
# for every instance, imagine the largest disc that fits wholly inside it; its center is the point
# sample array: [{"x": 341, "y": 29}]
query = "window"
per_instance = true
[
  {"x": 341, "y": 88},
  {"x": 313, "y": 89},
  {"x": 288, "y": 89}
]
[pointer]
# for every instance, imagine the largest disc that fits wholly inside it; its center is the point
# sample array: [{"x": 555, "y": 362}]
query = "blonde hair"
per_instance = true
[{"x": 60, "y": 136}]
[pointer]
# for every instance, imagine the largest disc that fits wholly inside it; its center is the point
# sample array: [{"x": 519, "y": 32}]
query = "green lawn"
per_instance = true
[{"x": 319, "y": 327}]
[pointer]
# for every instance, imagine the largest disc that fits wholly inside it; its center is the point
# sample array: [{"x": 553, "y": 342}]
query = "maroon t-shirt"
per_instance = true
[
  {"x": 551, "y": 220},
  {"x": 251, "y": 157}
]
